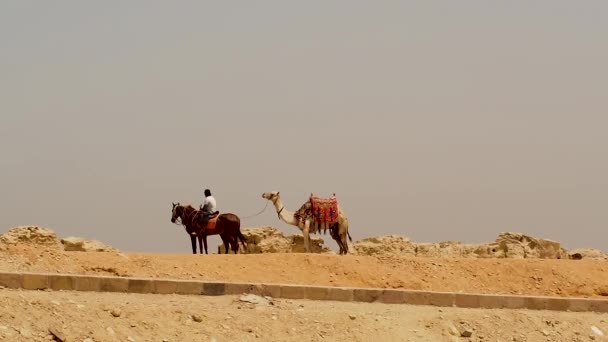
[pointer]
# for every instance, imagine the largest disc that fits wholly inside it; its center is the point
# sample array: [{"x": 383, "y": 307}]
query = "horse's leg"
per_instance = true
[
  {"x": 200, "y": 243},
  {"x": 235, "y": 244},
  {"x": 193, "y": 240},
  {"x": 205, "y": 242},
  {"x": 226, "y": 245}
]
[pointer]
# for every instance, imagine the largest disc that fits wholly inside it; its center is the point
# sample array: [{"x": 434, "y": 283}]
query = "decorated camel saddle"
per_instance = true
[{"x": 322, "y": 212}]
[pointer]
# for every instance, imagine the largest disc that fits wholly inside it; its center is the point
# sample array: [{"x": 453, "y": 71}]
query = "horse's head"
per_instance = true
[
  {"x": 176, "y": 211},
  {"x": 271, "y": 196}
]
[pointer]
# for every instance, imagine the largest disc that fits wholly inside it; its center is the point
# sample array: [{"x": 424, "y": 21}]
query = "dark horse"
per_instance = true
[{"x": 228, "y": 226}]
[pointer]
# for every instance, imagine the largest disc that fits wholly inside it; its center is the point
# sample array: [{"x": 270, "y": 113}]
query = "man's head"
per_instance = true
[{"x": 207, "y": 192}]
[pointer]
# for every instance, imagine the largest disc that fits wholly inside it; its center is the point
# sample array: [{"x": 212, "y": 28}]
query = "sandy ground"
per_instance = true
[
  {"x": 78, "y": 316},
  {"x": 584, "y": 278}
]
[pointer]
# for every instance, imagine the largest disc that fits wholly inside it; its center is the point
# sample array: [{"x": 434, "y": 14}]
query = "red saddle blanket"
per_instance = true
[
  {"x": 211, "y": 222},
  {"x": 324, "y": 210}
]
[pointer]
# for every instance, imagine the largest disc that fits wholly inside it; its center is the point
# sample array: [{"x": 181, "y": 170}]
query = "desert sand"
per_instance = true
[{"x": 78, "y": 316}]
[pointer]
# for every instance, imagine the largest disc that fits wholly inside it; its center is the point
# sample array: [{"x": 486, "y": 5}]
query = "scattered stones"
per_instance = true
[
  {"x": 82, "y": 245},
  {"x": 197, "y": 318},
  {"x": 466, "y": 332},
  {"x": 255, "y": 299},
  {"x": 453, "y": 330},
  {"x": 116, "y": 312}
]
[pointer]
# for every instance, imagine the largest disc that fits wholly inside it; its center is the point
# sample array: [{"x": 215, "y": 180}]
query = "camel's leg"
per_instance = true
[
  {"x": 343, "y": 231},
  {"x": 193, "y": 240},
  {"x": 306, "y": 233}
]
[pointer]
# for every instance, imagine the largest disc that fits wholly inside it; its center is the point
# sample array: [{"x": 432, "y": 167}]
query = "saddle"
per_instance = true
[{"x": 212, "y": 220}]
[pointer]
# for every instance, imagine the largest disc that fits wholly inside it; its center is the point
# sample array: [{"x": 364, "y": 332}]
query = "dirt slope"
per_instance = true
[
  {"x": 509, "y": 276},
  {"x": 81, "y": 316}
]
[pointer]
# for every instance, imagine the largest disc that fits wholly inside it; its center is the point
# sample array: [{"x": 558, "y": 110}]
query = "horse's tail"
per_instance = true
[
  {"x": 350, "y": 238},
  {"x": 243, "y": 239}
]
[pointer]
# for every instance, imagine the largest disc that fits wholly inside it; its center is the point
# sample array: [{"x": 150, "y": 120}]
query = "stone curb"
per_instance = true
[{"x": 70, "y": 282}]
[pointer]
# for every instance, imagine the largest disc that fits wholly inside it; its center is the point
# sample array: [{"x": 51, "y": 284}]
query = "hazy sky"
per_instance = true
[{"x": 436, "y": 120}]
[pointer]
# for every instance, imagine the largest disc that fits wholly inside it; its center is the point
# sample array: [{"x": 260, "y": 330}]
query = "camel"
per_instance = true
[{"x": 339, "y": 231}]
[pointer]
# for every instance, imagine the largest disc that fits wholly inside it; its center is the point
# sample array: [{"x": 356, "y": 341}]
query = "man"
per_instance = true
[{"x": 209, "y": 207}]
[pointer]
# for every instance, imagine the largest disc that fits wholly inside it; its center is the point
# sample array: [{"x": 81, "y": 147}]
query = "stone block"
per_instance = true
[
  {"x": 492, "y": 301},
  {"x": 292, "y": 291},
  {"x": 214, "y": 289},
  {"x": 340, "y": 294},
  {"x": 189, "y": 287},
  {"x": 557, "y": 304},
  {"x": 61, "y": 282},
  {"x": 536, "y": 303},
  {"x": 416, "y": 297},
  {"x": 11, "y": 280},
  {"x": 366, "y": 295},
  {"x": 464, "y": 300},
  {"x": 316, "y": 293},
  {"x": 238, "y": 288},
  {"x": 514, "y": 302},
  {"x": 86, "y": 283},
  {"x": 165, "y": 286},
  {"x": 35, "y": 281},
  {"x": 113, "y": 284},
  {"x": 141, "y": 285},
  {"x": 271, "y": 290},
  {"x": 443, "y": 299},
  {"x": 392, "y": 297}
]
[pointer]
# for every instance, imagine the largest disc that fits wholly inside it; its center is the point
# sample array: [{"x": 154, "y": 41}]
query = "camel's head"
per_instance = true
[{"x": 271, "y": 196}]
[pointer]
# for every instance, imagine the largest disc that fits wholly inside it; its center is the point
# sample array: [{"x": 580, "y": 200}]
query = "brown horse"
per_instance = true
[{"x": 227, "y": 226}]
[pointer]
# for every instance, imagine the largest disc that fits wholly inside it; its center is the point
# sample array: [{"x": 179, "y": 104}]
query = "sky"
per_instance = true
[{"x": 437, "y": 120}]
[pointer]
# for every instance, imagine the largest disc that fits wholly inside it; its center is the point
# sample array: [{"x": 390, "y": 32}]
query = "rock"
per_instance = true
[
  {"x": 597, "y": 331},
  {"x": 385, "y": 245},
  {"x": 58, "y": 334},
  {"x": 271, "y": 240},
  {"x": 586, "y": 253},
  {"x": 110, "y": 330},
  {"x": 116, "y": 312},
  {"x": 88, "y": 340},
  {"x": 452, "y": 330},
  {"x": 83, "y": 245},
  {"x": 353, "y": 317},
  {"x": 254, "y": 299},
  {"x": 545, "y": 333},
  {"x": 30, "y": 235},
  {"x": 130, "y": 339},
  {"x": 466, "y": 332},
  {"x": 25, "y": 332},
  {"x": 197, "y": 318}
]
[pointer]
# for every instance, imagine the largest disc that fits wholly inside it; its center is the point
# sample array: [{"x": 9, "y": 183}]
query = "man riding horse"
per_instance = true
[{"x": 208, "y": 208}]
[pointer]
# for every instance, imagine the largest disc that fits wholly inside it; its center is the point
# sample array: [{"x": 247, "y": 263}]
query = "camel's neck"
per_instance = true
[{"x": 284, "y": 214}]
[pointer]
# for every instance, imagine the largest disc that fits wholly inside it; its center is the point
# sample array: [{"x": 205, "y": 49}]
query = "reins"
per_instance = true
[{"x": 258, "y": 214}]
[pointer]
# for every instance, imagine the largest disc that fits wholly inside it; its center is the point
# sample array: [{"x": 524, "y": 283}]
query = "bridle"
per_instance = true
[
  {"x": 183, "y": 216},
  {"x": 275, "y": 198}
]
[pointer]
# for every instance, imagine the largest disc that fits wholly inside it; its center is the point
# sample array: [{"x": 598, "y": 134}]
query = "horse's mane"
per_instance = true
[{"x": 188, "y": 207}]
